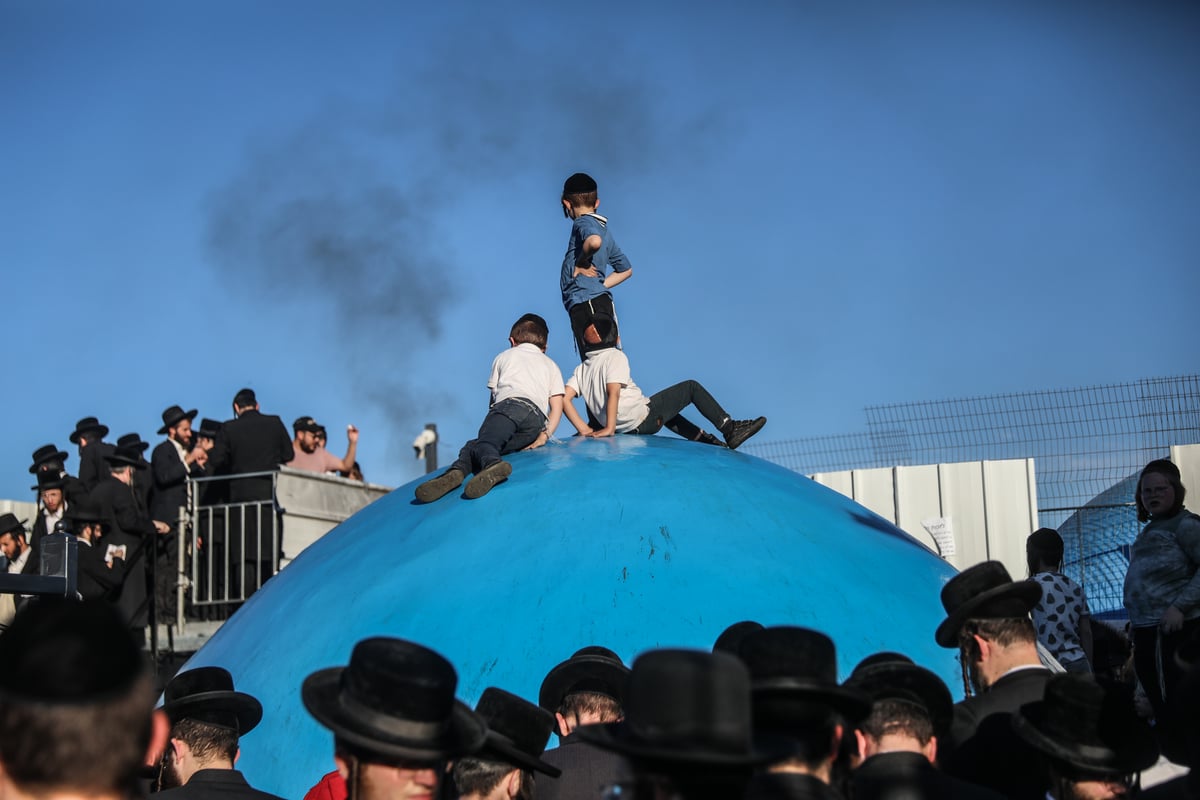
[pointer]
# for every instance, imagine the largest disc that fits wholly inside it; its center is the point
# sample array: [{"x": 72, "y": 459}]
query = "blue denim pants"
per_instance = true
[{"x": 509, "y": 426}]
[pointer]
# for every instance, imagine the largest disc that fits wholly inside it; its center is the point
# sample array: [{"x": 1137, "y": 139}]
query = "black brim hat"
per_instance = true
[
  {"x": 173, "y": 416},
  {"x": 206, "y": 694},
  {"x": 49, "y": 480},
  {"x": 1087, "y": 727},
  {"x": 793, "y": 669},
  {"x": 894, "y": 677},
  {"x": 84, "y": 510},
  {"x": 9, "y": 524},
  {"x": 208, "y": 428},
  {"x": 592, "y": 669},
  {"x": 126, "y": 457},
  {"x": 87, "y": 426},
  {"x": 984, "y": 591},
  {"x": 517, "y": 731},
  {"x": 395, "y": 699},
  {"x": 132, "y": 441},
  {"x": 47, "y": 453},
  {"x": 688, "y": 709}
]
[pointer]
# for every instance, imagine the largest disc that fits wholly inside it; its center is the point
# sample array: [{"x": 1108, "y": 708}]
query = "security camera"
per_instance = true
[{"x": 423, "y": 440}]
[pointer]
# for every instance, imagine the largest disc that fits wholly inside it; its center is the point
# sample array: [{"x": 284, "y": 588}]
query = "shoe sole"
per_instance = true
[
  {"x": 755, "y": 428},
  {"x": 487, "y": 479},
  {"x": 439, "y": 487}
]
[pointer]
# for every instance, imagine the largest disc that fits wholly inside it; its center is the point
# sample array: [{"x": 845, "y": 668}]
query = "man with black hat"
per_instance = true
[
  {"x": 89, "y": 436},
  {"x": 911, "y": 710},
  {"x": 207, "y": 719},
  {"x": 796, "y": 696},
  {"x": 394, "y": 718},
  {"x": 143, "y": 482},
  {"x": 1092, "y": 739},
  {"x": 988, "y": 622},
  {"x": 52, "y": 508},
  {"x": 16, "y": 553},
  {"x": 687, "y": 729},
  {"x": 76, "y": 704},
  {"x": 517, "y": 735},
  {"x": 48, "y": 458},
  {"x": 173, "y": 461},
  {"x": 586, "y": 689},
  {"x": 251, "y": 442},
  {"x": 101, "y": 566}
]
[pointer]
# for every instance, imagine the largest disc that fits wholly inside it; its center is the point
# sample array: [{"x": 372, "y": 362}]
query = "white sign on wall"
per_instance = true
[{"x": 942, "y": 531}]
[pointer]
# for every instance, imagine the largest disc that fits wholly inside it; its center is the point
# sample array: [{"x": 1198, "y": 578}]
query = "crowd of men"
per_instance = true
[
  {"x": 126, "y": 510},
  {"x": 760, "y": 716}
]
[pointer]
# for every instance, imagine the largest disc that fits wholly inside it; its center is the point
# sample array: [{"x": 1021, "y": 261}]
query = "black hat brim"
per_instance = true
[
  {"x": 586, "y": 673},
  {"x": 189, "y": 416},
  {"x": 782, "y": 694},
  {"x": 615, "y": 736},
  {"x": 500, "y": 745},
  {"x": 57, "y": 483},
  {"x": 245, "y": 708},
  {"x": 18, "y": 525},
  {"x": 1027, "y": 593},
  {"x": 321, "y": 693},
  {"x": 101, "y": 430},
  {"x": 60, "y": 456},
  {"x": 1141, "y": 753},
  {"x": 125, "y": 462}
]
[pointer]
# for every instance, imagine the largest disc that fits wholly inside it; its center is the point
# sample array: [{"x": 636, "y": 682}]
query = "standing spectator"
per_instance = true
[
  {"x": 89, "y": 436},
  {"x": 208, "y": 719},
  {"x": 251, "y": 442},
  {"x": 1162, "y": 587},
  {"x": 1062, "y": 618},
  {"x": 173, "y": 461},
  {"x": 517, "y": 735},
  {"x": 16, "y": 552},
  {"x": 52, "y": 508},
  {"x": 76, "y": 705},
  {"x": 310, "y": 452},
  {"x": 211, "y": 539},
  {"x": 143, "y": 481},
  {"x": 48, "y": 458}
]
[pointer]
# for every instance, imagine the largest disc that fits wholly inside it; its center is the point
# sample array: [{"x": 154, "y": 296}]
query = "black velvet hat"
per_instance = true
[
  {"x": 9, "y": 523},
  {"x": 85, "y": 510},
  {"x": 87, "y": 426},
  {"x": 173, "y": 416},
  {"x": 132, "y": 441},
  {"x": 517, "y": 730},
  {"x": 984, "y": 591},
  {"x": 579, "y": 183},
  {"x": 794, "y": 669},
  {"x": 208, "y": 428},
  {"x": 731, "y": 638},
  {"x": 592, "y": 669},
  {"x": 45, "y": 454},
  {"x": 395, "y": 699},
  {"x": 126, "y": 457},
  {"x": 690, "y": 709},
  {"x": 206, "y": 694},
  {"x": 49, "y": 479},
  {"x": 892, "y": 676},
  {"x": 1087, "y": 727}
]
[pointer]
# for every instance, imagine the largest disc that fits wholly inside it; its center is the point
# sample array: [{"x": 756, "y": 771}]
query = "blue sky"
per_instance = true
[{"x": 827, "y": 205}]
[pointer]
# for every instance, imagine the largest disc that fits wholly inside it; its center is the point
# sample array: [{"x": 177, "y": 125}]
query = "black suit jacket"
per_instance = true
[
  {"x": 92, "y": 466},
  {"x": 788, "y": 786},
  {"x": 253, "y": 442},
  {"x": 96, "y": 580},
  {"x": 170, "y": 482},
  {"x": 216, "y": 784},
  {"x": 910, "y": 776},
  {"x": 982, "y": 747},
  {"x": 586, "y": 770},
  {"x": 129, "y": 525}
]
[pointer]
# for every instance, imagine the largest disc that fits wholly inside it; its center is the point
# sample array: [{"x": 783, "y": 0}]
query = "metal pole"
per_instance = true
[{"x": 431, "y": 464}]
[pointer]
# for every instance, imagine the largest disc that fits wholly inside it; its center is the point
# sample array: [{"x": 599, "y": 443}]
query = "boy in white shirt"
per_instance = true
[
  {"x": 527, "y": 403},
  {"x": 604, "y": 382}
]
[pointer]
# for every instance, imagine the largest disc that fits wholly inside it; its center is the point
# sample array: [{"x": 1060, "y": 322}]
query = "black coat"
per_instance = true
[
  {"x": 789, "y": 786},
  {"x": 910, "y": 776},
  {"x": 982, "y": 747},
  {"x": 93, "y": 468},
  {"x": 253, "y": 442},
  {"x": 218, "y": 784},
  {"x": 96, "y": 580},
  {"x": 586, "y": 770},
  {"x": 129, "y": 525},
  {"x": 170, "y": 482}
]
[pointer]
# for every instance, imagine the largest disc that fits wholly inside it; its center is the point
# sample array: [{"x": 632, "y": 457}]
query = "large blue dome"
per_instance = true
[{"x": 630, "y": 542}]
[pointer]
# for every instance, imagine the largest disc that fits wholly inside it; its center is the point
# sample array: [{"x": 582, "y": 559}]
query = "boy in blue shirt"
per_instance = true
[
  {"x": 527, "y": 402},
  {"x": 586, "y": 281}
]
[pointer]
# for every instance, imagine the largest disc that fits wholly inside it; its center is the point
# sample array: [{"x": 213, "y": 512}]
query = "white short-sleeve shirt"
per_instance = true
[
  {"x": 590, "y": 381},
  {"x": 525, "y": 371}
]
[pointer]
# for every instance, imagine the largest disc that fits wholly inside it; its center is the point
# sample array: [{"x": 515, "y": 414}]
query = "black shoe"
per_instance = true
[
  {"x": 437, "y": 487},
  {"x": 737, "y": 431},
  {"x": 486, "y": 478},
  {"x": 707, "y": 438}
]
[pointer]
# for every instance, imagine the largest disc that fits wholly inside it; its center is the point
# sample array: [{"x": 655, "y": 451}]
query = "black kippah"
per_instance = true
[
  {"x": 579, "y": 183},
  {"x": 63, "y": 652}
]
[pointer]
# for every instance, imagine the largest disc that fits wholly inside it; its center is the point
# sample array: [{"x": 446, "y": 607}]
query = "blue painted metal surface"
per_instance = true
[{"x": 630, "y": 542}]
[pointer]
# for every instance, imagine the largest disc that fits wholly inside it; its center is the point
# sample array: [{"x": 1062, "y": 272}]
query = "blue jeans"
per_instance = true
[{"x": 509, "y": 426}]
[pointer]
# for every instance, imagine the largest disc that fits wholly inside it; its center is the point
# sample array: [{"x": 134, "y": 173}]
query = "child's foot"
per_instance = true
[
  {"x": 737, "y": 431},
  {"x": 437, "y": 487},
  {"x": 486, "y": 478},
  {"x": 707, "y": 438}
]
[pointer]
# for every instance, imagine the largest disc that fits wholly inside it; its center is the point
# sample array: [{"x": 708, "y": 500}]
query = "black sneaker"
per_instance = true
[
  {"x": 707, "y": 438},
  {"x": 435, "y": 488},
  {"x": 488, "y": 477},
  {"x": 737, "y": 431}
]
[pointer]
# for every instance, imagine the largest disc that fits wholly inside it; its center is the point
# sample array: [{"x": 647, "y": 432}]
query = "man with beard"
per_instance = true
[
  {"x": 52, "y": 509},
  {"x": 310, "y": 452},
  {"x": 16, "y": 552},
  {"x": 48, "y": 458},
  {"x": 208, "y": 718},
  {"x": 171, "y": 464},
  {"x": 101, "y": 566}
]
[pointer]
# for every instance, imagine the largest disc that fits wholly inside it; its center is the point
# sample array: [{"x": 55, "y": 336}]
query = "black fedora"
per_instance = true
[
  {"x": 984, "y": 591},
  {"x": 691, "y": 709},
  {"x": 46, "y": 454},
  {"x": 208, "y": 428},
  {"x": 126, "y": 457},
  {"x": 49, "y": 479},
  {"x": 1087, "y": 727},
  {"x": 132, "y": 441},
  {"x": 174, "y": 415},
  {"x": 892, "y": 676},
  {"x": 84, "y": 510},
  {"x": 794, "y": 668},
  {"x": 206, "y": 694},
  {"x": 10, "y": 523},
  {"x": 86, "y": 426},
  {"x": 517, "y": 730},
  {"x": 593, "y": 669},
  {"x": 731, "y": 638},
  {"x": 395, "y": 699}
]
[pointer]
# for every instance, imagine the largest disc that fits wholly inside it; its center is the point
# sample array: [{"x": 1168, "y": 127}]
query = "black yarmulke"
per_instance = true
[{"x": 579, "y": 183}]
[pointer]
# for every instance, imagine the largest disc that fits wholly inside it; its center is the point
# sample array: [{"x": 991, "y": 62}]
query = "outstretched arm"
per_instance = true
[
  {"x": 568, "y": 410},
  {"x": 613, "y": 391},
  {"x": 556, "y": 409}
]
